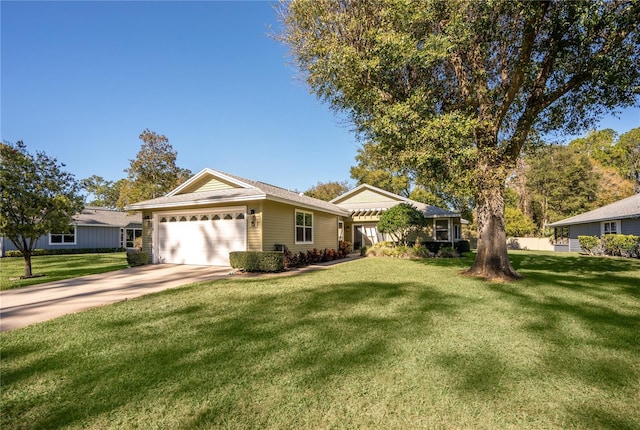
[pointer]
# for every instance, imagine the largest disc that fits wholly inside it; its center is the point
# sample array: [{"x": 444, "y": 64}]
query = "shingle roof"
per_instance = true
[
  {"x": 254, "y": 190},
  {"x": 622, "y": 209},
  {"x": 99, "y": 216}
]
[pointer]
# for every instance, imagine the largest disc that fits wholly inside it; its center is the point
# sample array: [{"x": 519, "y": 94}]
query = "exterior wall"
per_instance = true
[
  {"x": 630, "y": 226},
  {"x": 147, "y": 234},
  {"x": 86, "y": 238},
  {"x": 255, "y": 232},
  {"x": 278, "y": 221},
  {"x": 209, "y": 184},
  {"x": 530, "y": 243},
  {"x": 367, "y": 196}
]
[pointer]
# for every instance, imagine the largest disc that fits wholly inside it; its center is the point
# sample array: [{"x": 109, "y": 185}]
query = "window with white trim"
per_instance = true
[
  {"x": 66, "y": 237},
  {"x": 304, "y": 227},
  {"x": 610, "y": 227},
  {"x": 442, "y": 229},
  {"x": 130, "y": 236},
  {"x": 457, "y": 232}
]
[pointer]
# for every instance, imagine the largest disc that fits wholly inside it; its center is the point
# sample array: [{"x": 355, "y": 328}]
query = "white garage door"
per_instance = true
[{"x": 203, "y": 238}]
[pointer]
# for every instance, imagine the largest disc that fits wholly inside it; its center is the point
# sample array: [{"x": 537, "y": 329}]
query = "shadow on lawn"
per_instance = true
[
  {"x": 310, "y": 337},
  {"x": 221, "y": 357}
]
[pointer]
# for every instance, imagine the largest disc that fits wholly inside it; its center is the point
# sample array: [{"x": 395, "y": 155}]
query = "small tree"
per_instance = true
[
  {"x": 36, "y": 197},
  {"x": 400, "y": 221}
]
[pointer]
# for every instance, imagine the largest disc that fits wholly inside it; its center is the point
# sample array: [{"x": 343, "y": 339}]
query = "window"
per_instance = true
[
  {"x": 561, "y": 235},
  {"x": 304, "y": 227},
  {"x": 130, "y": 236},
  {"x": 457, "y": 232},
  {"x": 215, "y": 217},
  {"x": 66, "y": 237},
  {"x": 193, "y": 218},
  {"x": 442, "y": 229},
  {"x": 610, "y": 227},
  {"x": 340, "y": 231}
]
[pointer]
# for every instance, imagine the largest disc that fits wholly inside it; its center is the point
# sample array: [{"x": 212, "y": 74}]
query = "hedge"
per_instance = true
[
  {"x": 622, "y": 245},
  {"x": 36, "y": 252},
  {"x": 257, "y": 261},
  {"x": 137, "y": 258}
]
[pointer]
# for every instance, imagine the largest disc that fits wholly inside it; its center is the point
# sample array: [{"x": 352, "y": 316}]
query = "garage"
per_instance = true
[{"x": 200, "y": 237}]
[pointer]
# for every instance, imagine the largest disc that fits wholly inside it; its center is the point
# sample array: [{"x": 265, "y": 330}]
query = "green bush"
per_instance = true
[
  {"x": 37, "y": 252},
  {"x": 462, "y": 246},
  {"x": 447, "y": 252},
  {"x": 253, "y": 261},
  {"x": 623, "y": 245},
  {"x": 137, "y": 258},
  {"x": 588, "y": 243}
]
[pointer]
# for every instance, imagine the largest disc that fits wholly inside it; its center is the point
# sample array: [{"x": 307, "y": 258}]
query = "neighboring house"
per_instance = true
[
  {"x": 93, "y": 228},
  {"x": 214, "y": 213},
  {"x": 366, "y": 203},
  {"x": 621, "y": 217}
]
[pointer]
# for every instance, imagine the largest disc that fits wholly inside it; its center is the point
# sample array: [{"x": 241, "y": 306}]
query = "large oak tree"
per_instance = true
[{"x": 454, "y": 88}]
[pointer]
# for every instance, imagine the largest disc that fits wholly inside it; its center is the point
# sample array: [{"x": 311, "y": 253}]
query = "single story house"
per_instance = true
[
  {"x": 621, "y": 217},
  {"x": 214, "y": 213},
  {"x": 366, "y": 203},
  {"x": 92, "y": 228}
]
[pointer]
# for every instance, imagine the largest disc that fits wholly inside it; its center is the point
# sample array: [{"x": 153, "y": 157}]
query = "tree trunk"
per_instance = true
[
  {"x": 492, "y": 261},
  {"x": 27, "y": 264}
]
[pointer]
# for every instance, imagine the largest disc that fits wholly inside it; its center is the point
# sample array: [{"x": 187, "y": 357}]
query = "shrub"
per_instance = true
[
  {"x": 38, "y": 251},
  {"x": 623, "y": 245},
  {"x": 462, "y": 246},
  {"x": 137, "y": 258},
  {"x": 447, "y": 252},
  {"x": 588, "y": 243},
  {"x": 344, "y": 249},
  {"x": 254, "y": 261}
]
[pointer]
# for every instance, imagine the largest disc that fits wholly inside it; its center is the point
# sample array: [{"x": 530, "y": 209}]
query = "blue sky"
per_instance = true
[{"x": 81, "y": 80}]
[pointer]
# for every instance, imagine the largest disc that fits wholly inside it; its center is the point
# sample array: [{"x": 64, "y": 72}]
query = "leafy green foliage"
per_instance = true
[
  {"x": 137, "y": 258},
  {"x": 102, "y": 192},
  {"x": 327, "y": 191},
  {"x": 153, "y": 172},
  {"x": 455, "y": 90},
  {"x": 401, "y": 220},
  {"x": 517, "y": 223},
  {"x": 251, "y": 261},
  {"x": 36, "y": 197},
  {"x": 622, "y": 245},
  {"x": 589, "y": 243}
]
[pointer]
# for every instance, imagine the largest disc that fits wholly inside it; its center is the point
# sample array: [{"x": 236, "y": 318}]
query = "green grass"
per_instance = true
[
  {"x": 57, "y": 267},
  {"x": 374, "y": 343}
]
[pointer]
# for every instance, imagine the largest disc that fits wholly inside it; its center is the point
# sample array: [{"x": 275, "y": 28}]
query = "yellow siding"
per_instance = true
[
  {"x": 279, "y": 228},
  {"x": 254, "y": 232},
  {"x": 208, "y": 184},
  {"x": 368, "y": 196},
  {"x": 147, "y": 234}
]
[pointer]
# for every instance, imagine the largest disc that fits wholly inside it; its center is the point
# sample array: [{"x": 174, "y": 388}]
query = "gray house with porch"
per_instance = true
[{"x": 621, "y": 217}]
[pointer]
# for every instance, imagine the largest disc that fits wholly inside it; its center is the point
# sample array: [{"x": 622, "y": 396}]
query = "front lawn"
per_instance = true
[
  {"x": 374, "y": 343},
  {"x": 57, "y": 267}
]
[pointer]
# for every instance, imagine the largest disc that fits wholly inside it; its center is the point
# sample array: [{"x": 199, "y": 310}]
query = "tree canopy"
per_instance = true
[
  {"x": 153, "y": 172},
  {"x": 401, "y": 220},
  {"x": 456, "y": 89},
  {"x": 37, "y": 197},
  {"x": 327, "y": 191},
  {"x": 102, "y": 192}
]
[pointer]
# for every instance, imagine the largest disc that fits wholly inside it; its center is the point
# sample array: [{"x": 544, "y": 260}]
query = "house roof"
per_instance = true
[
  {"x": 241, "y": 189},
  {"x": 622, "y": 209},
  {"x": 377, "y": 200},
  {"x": 99, "y": 216}
]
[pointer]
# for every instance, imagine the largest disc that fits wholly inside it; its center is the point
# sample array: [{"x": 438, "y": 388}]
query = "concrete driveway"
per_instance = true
[{"x": 23, "y": 306}]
